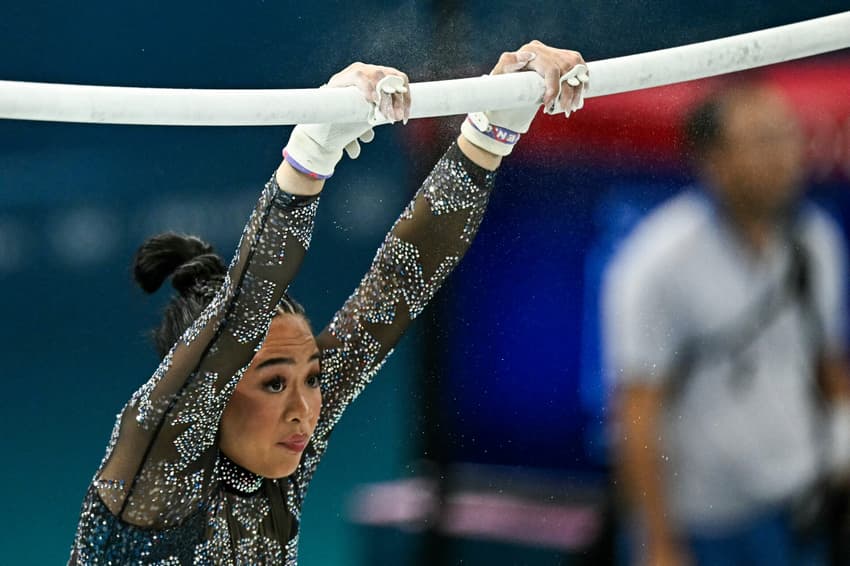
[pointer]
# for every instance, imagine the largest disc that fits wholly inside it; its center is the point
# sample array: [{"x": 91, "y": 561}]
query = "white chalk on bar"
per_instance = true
[{"x": 199, "y": 107}]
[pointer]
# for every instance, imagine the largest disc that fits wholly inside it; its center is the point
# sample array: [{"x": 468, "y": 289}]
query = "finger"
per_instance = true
[
  {"x": 514, "y": 67},
  {"x": 575, "y": 93},
  {"x": 367, "y": 136},
  {"x": 375, "y": 77},
  {"x": 578, "y": 100},
  {"x": 504, "y": 60},
  {"x": 407, "y": 104},
  {"x": 367, "y": 88},
  {"x": 398, "y": 106},
  {"x": 401, "y": 97},
  {"x": 565, "y": 100},
  {"x": 386, "y": 107},
  {"x": 521, "y": 60},
  {"x": 571, "y": 94},
  {"x": 511, "y": 61},
  {"x": 390, "y": 90},
  {"x": 552, "y": 76},
  {"x": 582, "y": 74}
]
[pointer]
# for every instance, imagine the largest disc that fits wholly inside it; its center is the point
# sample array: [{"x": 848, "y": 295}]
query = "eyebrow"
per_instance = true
[{"x": 286, "y": 361}]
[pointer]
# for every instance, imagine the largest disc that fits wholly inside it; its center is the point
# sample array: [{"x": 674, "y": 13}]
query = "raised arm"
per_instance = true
[
  {"x": 163, "y": 446},
  {"x": 424, "y": 245},
  {"x": 433, "y": 232},
  {"x": 160, "y": 465}
]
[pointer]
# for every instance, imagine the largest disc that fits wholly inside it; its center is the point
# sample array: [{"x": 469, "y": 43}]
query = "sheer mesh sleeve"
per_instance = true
[
  {"x": 160, "y": 463},
  {"x": 422, "y": 248}
]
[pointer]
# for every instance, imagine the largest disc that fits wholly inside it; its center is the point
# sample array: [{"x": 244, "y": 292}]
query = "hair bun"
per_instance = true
[
  {"x": 188, "y": 258},
  {"x": 197, "y": 270}
]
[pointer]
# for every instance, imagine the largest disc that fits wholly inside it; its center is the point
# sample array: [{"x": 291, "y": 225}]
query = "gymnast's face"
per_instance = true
[
  {"x": 275, "y": 407},
  {"x": 759, "y": 162}
]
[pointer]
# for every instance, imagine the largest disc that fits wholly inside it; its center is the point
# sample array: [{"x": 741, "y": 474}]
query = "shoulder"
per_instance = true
[
  {"x": 824, "y": 242},
  {"x": 819, "y": 228},
  {"x": 662, "y": 239}
]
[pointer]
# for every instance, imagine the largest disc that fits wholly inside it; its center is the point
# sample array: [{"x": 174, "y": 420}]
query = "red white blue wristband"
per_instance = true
[
  {"x": 301, "y": 169},
  {"x": 498, "y": 133}
]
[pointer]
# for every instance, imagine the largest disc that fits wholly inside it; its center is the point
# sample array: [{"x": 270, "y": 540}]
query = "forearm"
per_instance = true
[
  {"x": 641, "y": 463},
  {"x": 444, "y": 215},
  {"x": 424, "y": 245},
  {"x": 835, "y": 379}
]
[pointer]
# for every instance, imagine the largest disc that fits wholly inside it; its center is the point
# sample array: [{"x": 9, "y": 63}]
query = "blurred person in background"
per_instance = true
[
  {"x": 210, "y": 460},
  {"x": 724, "y": 316}
]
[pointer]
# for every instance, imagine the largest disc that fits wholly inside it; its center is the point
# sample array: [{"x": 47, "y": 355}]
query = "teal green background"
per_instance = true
[{"x": 75, "y": 201}]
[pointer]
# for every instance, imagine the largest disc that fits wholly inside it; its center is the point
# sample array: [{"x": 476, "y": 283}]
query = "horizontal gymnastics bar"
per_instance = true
[{"x": 217, "y": 107}]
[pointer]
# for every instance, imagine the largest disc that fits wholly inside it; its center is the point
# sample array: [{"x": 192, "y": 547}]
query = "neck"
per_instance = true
[
  {"x": 236, "y": 478},
  {"x": 757, "y": 231},
  {"x": 756, "y": 227}
]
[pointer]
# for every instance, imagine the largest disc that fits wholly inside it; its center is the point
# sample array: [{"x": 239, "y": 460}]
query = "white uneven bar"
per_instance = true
[{"x": 196, "y": 107}]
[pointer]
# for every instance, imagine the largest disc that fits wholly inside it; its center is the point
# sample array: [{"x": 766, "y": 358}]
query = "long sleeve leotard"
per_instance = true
[{"x": 164, "y": 493}]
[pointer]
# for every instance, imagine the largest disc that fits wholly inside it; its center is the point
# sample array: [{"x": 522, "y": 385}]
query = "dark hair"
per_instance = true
[
  {"x": 196, "y": 272},
  {"x": 703, "y": 126}
]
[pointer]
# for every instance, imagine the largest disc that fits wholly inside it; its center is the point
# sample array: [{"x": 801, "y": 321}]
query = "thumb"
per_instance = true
[{"x": 521, "y": 59}]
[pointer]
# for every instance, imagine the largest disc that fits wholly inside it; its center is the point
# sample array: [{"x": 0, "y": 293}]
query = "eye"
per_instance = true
[
  {"x": 274, "y": 385},
  {"x": 314, "y": 380}
]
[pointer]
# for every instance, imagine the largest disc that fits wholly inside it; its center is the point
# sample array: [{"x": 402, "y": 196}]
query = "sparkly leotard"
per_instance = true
[{"x": 164, "y": 493}]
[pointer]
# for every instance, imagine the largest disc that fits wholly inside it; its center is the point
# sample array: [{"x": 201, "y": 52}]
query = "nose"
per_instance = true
[{"x": 297, "y": 408}]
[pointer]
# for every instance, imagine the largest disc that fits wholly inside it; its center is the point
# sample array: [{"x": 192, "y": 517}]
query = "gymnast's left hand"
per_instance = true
[
  {"x": 565, "y": 76},
  {"x": 564, "y": 72},
  {"x": 486, "y": 137}
]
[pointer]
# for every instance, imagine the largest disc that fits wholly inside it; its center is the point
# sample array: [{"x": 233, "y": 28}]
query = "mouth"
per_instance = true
[{"x": 295, "y": 443}]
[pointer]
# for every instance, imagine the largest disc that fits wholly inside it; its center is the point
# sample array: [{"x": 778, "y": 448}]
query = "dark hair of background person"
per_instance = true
[
  {"x": 196, "y": 272},
  {"x": 702, "y": 128}
]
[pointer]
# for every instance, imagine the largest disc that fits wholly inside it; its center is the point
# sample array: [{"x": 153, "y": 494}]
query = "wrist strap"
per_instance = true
[
  {"x": 301, "y": 169},
  {"x": 502, "y": 135},
  {"x": 478, "y": 130}
]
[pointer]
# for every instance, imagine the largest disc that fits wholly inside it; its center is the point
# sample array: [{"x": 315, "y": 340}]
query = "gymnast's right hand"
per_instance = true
[{"x": 315, "y": 149}]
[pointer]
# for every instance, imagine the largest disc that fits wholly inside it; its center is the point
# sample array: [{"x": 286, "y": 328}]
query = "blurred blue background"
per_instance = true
[{"x": 76, "y": 200}]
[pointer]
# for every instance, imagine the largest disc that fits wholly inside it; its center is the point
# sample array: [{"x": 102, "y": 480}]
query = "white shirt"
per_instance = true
[{"x": 739, "y": 435}]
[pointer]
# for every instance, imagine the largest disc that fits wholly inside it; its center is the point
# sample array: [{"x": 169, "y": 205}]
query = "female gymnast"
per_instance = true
[{"x": 210, "y": 459}]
